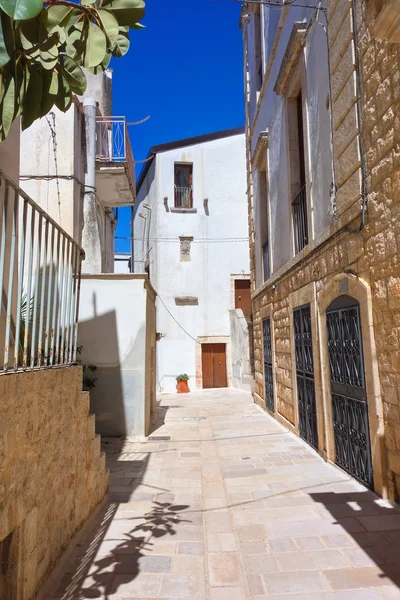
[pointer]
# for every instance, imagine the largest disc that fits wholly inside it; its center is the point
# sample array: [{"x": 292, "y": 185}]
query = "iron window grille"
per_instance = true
[
  {"x": 300, "y": 221},
  {"x": 305, "y": 375},
  {"x": 268, "y": 366},
  {"x": 349, "y": 401},
  {"x": 266, "y": 267}
]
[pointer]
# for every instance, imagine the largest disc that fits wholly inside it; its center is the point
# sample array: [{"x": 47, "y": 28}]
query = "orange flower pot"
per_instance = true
[{"x": 182, "y": 387}]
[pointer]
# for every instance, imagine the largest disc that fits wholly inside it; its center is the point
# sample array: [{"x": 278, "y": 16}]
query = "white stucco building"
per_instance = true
[
  {"x": 289, "y": 131},
  {"x": 190, "y": 232},
  {"x": 78, "y": 166}
]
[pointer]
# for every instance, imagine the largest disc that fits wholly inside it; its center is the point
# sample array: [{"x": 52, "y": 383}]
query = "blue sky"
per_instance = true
[{"x": 185, "y": 70}]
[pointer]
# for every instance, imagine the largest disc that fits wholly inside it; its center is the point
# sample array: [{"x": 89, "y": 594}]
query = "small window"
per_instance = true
[{"x": 183, "y": 185}]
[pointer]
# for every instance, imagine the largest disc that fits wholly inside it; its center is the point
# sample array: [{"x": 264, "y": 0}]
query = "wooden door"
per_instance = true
[
  {"x": 214, "y": 365},
  {"x": 207, "y": 364},
  {"x": 243, "y": 297}
]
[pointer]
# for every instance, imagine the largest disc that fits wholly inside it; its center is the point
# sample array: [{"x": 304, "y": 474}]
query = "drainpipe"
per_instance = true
[{"x": 91, "y": 234}]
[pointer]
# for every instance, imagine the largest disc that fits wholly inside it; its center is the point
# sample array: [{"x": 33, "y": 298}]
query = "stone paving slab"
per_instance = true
[{"x": 223, "y": 503}]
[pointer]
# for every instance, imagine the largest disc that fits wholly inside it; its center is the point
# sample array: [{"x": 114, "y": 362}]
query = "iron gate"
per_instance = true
[
  {"x": 349, "y": 399},
  {"x": 268, "y": 374},
  {"x": 305, "y": 375}
]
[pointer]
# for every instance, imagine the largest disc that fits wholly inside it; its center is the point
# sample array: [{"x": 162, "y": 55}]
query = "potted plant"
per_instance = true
[{"x": 182, "y": 384}]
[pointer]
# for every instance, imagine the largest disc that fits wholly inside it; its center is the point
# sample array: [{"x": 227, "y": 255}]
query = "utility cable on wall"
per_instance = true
[
  {"x": 177, "y": 322},
  {"x": 54, "y": 138},
  {"x": 194, "y": 241},
  {"x": 277, "y": 5}
]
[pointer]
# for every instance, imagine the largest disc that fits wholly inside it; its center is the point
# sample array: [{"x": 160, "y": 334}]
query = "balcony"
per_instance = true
[
  {"x": 40, "y": 270},
  {"x": 183, "y": 197},
  {"x": 115, "y": 168}
]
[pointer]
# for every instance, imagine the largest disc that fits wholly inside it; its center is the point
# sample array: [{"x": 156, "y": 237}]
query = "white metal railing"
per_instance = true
[
  {"x": 111, "y": 139},
  {"x": 183, "y": 197},
  {"x": 40, "y": 267}
]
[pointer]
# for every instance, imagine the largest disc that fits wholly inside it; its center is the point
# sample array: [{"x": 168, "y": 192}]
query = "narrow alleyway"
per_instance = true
[{"x": 225, "y": 504}]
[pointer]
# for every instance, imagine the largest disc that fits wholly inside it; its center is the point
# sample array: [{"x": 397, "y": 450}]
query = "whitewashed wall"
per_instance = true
[
  {"x": 117, "y": 332},
  {"x": 219, "y": 175}
]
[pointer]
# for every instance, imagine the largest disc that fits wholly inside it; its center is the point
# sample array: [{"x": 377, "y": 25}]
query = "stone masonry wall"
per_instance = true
[
  {"x": 372, "y": 254},
  {"x": 51, "y": 471}
]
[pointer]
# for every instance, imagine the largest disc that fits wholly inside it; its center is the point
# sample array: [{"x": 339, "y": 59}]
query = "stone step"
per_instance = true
[{"x": 91, "y": 427}]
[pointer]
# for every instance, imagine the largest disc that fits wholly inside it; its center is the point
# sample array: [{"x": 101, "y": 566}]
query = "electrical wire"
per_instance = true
[
  {"x": 279, "y": 5},
  {"x": 54, "y": 139},
  {"x": 198, "y": 241},
  {"x": 176, "y": 321}
]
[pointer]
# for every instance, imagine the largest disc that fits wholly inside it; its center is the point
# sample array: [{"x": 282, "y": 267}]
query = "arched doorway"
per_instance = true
[{"x": 348, "y": 388}]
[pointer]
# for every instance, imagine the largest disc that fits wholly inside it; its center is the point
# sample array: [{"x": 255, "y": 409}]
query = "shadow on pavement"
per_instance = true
[
  {"x": 118, "y": 547},
  {"x": 373, "y": 524}
]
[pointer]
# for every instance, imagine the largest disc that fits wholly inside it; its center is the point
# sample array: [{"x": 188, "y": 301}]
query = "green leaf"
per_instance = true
[
  {"x": 109, "y": 24},
  {"x": 8, "y": 105},
  {"x": 48, "y": 51},
  {"x": 95, "y": 46},
  {"x": 75, "y": 41},
  {"x": 20, "y": 10},
  {"x": 38, "y": 44},
  {"x": 127, "y": 12},
  {"x": 102, "y": 66},
  {"x": 33, "y": 98},
  {"x": 49, "y": 92},
  {"x": 55, "y": 15},
  {"x": 6, "y": 39},
  {"x": 29, "y": 34},
  {"x": 73, "y": 74},
  {"x": 138, "y": 26},
  {"x": 121, "y": 45},
  {"x": 60, "y": 33},
  {"x": 64, "y": 95}
]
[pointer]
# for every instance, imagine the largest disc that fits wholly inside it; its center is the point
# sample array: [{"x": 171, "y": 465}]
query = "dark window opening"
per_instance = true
[
  {"x": 298, "y": 172},
  {"x": 264, "y": 232},
  {"x": 258, "y": 51},
  {"x": 183, "y": 185}
]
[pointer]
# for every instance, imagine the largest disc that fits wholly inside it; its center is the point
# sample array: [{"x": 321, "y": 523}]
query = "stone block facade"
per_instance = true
[
  {"x": 52, "y": 473},
  {"x": 364, "y": 255}
]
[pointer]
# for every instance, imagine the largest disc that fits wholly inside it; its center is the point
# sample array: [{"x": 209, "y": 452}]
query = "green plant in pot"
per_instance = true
[{"x": 182, "y": 384}]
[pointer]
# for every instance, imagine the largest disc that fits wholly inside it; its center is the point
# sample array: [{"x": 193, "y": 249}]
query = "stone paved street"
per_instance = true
[{"x": 232, "y": 507}]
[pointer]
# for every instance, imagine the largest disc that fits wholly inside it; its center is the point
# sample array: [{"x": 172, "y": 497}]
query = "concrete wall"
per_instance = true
[
  {"x": 242, "y": 377},
  {"x": 52, "y": 473},
  {"x": 41, "y": 162},
  {"x": 9, "y": 152},
  {"x": 117, "y": 332},
  {"x": 219, "y": 176}
]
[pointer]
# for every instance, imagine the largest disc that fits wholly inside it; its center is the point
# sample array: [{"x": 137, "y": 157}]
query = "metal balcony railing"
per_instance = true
[
  {"x": 112, "y": 139},
  {"x": 40, "y": 267},
  {"x": 183, "y": 197},
  {"x": 300, "y": 221}
]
